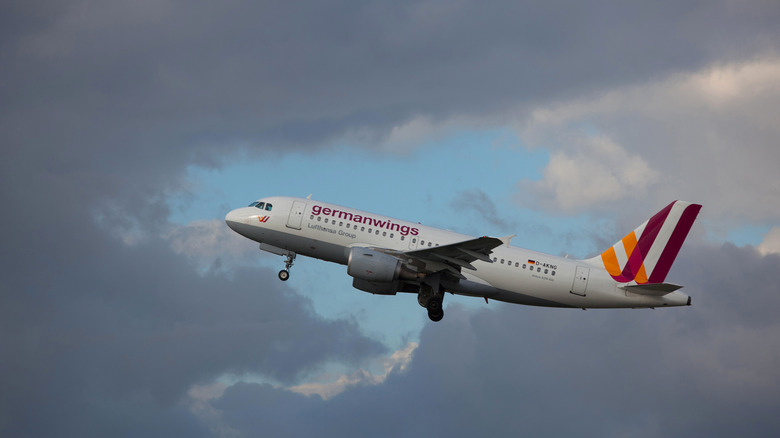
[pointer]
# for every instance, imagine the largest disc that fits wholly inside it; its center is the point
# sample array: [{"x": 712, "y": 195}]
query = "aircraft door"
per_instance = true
[
  {"x": 580, "y": 280},
  {"x": 296, "y": 215}
]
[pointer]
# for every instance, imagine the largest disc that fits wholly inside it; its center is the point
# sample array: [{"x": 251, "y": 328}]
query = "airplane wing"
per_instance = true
[{"x": 453, "y": 257}]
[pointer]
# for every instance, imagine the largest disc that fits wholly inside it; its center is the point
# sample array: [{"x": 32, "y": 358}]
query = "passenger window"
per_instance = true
[
  {"x": 414, "y": 240},
  {"x": 545, "y": 271},
  {"x": 362, "y": 228},
  {"x": 422, "y": 242},
  {"x": 495, "y": 259},
  {"x": 502, "y": 261},
  {"x": 377, "y": 232},
  {"x": 312, "y": 217},
  {"x": 341, "y": 224},
  {"x": 369, "y": 231},
  {"x": 523, "y": 265},
  {"x": 384, "y": 233},
  {"x": 326, "y": 220},
  {"x": 268, "y": 207},
  {"x": 403, "y": 237},
  {"x": 538, "y": 269},
  {"x": 517, "y": 264},
  {"x": 553, "y": 272},
  {"x": 429, "y": 244},
  {"x": 319, "y": 218},
  {"x": 391, "y": 235}
]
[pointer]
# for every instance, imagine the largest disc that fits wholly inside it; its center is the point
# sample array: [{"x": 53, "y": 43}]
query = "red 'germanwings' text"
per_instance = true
[{"x": 404, "y": 230}]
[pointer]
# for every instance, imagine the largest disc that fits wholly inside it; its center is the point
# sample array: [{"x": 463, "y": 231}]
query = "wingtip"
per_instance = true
[{"x": 507, "y": 239}]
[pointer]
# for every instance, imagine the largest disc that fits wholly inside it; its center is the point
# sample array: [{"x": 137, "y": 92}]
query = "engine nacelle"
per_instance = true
[
  {"x": 370, "y": 265},
  {"x": 374, "y": 287},
  {"x": 377, "y": 267}
]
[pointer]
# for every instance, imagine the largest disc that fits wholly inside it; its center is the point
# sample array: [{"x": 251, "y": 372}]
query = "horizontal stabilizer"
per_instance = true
[{"x": 652, "y": 289}]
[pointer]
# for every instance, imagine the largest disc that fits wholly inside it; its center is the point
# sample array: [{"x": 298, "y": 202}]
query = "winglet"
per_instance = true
[{"x": 507, "y": 239}]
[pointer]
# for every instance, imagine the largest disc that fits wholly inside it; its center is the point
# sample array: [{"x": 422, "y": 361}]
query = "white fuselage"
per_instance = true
[{"x": 516, "y": 275}]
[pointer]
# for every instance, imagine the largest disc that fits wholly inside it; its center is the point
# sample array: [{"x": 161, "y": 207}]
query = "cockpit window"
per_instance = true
[{"x": 261, "y": 205}]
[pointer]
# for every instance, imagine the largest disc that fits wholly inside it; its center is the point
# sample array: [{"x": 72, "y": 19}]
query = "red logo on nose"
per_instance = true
[{"x": 263, "y": 218}]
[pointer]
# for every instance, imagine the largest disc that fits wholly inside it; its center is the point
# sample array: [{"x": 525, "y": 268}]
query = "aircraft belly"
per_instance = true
[
  {"x": 510, "y": 293},
  {"x": 303, "y": 245}
]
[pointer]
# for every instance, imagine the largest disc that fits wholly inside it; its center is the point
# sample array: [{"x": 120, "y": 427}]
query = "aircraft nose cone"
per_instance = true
[{"x": 232, "y": 219}]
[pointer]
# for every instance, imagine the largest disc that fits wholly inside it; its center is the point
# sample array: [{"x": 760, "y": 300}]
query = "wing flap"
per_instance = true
[{"x": 455, "y": 256}]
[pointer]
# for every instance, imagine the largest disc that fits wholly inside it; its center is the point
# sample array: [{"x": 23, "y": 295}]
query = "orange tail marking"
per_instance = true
[{"x": 610, "y": 261}]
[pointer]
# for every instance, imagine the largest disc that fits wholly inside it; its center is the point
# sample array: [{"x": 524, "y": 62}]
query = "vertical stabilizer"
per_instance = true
[{"x": 646, "y": 254}]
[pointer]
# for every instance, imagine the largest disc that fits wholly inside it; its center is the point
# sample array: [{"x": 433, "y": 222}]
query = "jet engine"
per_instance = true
[{"x": 371, "y": 265}]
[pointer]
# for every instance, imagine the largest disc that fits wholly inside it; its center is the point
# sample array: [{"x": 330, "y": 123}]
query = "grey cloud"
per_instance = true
[
  {"x": 705, "y": 370},
  {"x": 136, "y": 327},
  {"x": 706, "y": 136},
  {"x": 101, "y": 338},
  {"x": 301, "y": 73},
  {"x": 478, "y": 202}
]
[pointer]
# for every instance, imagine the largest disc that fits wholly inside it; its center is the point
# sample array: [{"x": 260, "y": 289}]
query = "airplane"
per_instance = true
[{"x": 385, "y": 256}]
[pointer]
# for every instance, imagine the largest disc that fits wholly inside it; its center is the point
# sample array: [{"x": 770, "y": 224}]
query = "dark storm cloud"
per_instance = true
[
  {"x": 99, "y": 326},
  {"x": 706, "y": 370},
  {"x": 291, "y": 73}
]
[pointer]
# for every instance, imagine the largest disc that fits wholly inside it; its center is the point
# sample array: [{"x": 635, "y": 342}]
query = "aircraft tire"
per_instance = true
[
  {"x": 435, "y": 312},
  {"x": 284, "y": 275}
]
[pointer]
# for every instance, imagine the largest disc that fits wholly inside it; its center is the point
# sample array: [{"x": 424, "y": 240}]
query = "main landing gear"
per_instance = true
[
  {"x": 431, "y": 296},
  {"x": 284, "y": 274}
]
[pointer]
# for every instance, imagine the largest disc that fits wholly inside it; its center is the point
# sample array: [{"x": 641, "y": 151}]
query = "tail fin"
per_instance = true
[{"x": 646, "y": 254}]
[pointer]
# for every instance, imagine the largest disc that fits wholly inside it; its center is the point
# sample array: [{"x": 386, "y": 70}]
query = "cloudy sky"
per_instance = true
[{"x": 128, "y": 130}]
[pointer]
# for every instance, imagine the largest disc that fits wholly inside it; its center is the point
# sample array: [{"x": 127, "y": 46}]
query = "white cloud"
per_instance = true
[
  {"x": 599, "y": 171},
  {"x": 771, "y": 242},
  {"x": 397, "y": 362},
  {"x": 708, "y": 136},
  {"x": 210, "y": 241}
]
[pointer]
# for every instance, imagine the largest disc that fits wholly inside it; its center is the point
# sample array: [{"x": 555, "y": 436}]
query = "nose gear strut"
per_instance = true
[{"x": 284, "y": 274}]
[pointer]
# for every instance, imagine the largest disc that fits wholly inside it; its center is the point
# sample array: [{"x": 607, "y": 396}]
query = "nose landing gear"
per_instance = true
[{"x": 284, "y": 274}]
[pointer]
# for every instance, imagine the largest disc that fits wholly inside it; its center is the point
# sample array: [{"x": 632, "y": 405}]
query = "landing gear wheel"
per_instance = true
[
  {"x": 435, "y": 312},
  {"x": 284, "y": 274}
]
